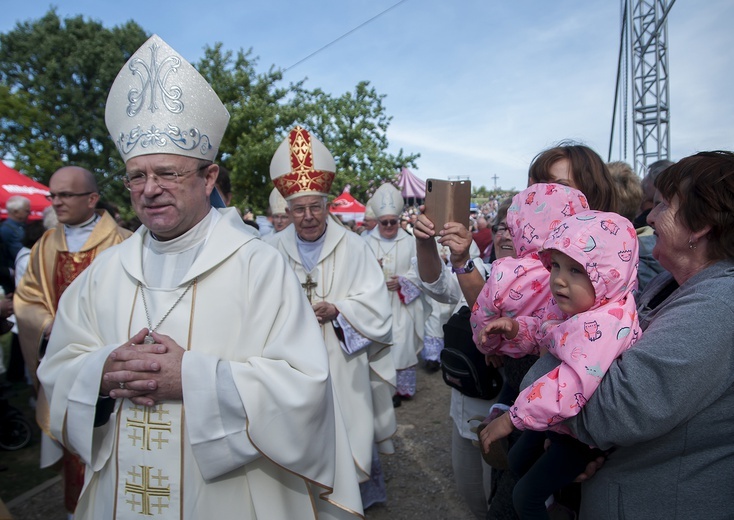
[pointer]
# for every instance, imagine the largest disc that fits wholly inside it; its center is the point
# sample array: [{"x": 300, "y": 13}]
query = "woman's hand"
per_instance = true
[
  {"x": 458, "y": 239},
  {"x": 423, "y": 228},
  {"x": 496, "y": 430},
  {"x": 591, "y": 469},
  {"x": 493, "y": 360}
]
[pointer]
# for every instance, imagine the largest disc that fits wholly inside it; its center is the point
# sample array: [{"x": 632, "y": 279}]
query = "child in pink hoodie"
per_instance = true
[
  {"x": 592, "y": 258},
  {"x": 519, "y": 286}
]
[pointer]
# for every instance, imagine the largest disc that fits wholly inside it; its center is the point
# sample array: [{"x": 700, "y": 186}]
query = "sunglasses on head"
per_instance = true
[{"x": 390, "y": 222}]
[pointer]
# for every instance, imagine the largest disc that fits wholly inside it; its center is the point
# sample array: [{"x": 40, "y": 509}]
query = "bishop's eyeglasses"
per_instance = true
[
  {"x": 136, "y": 181},
  {"x": 300, "y": 211}
]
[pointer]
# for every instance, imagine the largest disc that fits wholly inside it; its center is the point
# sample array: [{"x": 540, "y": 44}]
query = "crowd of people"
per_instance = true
[{"x": 213, "y": 364}]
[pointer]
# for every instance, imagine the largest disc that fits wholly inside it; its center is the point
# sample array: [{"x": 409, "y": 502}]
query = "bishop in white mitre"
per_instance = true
[
  {"x": 346, "y": 288},
  {"x": 185, "y": 367},
  {"x": 394, "y": 249}
]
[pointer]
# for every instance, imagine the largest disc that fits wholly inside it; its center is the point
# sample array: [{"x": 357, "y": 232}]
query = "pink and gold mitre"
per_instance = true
[
  {"x": 302, "y": 166},
  {"x": 159, "y": 103}
]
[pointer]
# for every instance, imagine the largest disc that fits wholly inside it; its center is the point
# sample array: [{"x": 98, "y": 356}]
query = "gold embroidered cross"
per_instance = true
[
  {"x": 150, "y": 496},
  {"x": 144, "y": 427}
]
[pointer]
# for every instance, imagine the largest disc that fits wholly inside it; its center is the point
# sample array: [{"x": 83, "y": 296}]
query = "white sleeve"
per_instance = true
[
  {"x": 218, "y": 434},
  {"x": 446, "y": 288}
]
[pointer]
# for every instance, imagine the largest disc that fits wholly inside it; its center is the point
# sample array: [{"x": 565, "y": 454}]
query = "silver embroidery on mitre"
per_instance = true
[
  {"x": 185, "y": 140},
  {"x": 153, "y": 79},
  {"x": 159, "y": 103}
]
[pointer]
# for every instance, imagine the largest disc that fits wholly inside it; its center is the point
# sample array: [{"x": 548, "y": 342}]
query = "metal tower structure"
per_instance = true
[{"x": 643, "y": 66}]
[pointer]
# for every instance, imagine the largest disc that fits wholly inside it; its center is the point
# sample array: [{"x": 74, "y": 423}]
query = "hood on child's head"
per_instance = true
[
  {"x": 605, "y": 244},
  {"x": 537, "y": 210}
]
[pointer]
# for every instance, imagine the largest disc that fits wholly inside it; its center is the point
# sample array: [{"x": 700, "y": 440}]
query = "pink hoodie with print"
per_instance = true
[
  {"x": 586, "y": 343},
  {"x": 519, "y": 286}
]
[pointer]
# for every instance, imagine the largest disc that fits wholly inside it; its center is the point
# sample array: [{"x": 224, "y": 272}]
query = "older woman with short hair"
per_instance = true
[{"x": 665, "y": 409}]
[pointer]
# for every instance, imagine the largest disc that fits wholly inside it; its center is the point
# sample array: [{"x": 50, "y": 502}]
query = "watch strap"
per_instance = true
[{"x": 467, "y": 268}]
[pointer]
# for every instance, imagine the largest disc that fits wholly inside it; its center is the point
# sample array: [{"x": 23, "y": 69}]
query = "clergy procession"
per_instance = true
[
  {"x": 198, "y": 361},
  {"x": 205, "y": 362},
  {"x": 200, "y": 368},
  {"x": 223, "y": 296}
]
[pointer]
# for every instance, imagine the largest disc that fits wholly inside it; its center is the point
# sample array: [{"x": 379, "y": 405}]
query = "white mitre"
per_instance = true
[
  {"x": 387, "y": 200},
  {"x": 159, "y": 103},
  {"x": 277, "y": 203},
  {"x": 302, "y": 166}
]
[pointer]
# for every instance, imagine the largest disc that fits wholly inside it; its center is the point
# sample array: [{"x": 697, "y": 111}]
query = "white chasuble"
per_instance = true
[
  {"x": 409, "y": 316},
  {"x": 257, "y": 434},
  {"x": 348, "y": 276}
]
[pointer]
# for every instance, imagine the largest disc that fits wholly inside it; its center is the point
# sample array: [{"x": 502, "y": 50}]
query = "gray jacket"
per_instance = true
[{"x": 667, "y": 405}]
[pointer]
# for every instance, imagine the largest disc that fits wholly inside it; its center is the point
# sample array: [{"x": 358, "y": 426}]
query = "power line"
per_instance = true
[{"x": 344, "y": 35}]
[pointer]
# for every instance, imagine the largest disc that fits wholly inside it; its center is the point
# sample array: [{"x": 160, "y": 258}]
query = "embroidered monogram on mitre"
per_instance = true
[{"x": 173, "y": 109}]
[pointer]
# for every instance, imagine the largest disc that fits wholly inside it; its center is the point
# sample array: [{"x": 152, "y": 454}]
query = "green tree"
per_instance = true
[
  {"x": 55, "y": 76},
  {"x": 480, "y": 192},
  {"x": 54, "y": 79},
  {"x": 263, "y": 109},
  {"x": 259, "y": 114}
]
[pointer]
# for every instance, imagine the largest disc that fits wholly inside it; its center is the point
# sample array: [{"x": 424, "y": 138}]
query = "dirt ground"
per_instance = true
[
  {"x": 420, "y": 481},
  {"x": 419, "y": 477}
]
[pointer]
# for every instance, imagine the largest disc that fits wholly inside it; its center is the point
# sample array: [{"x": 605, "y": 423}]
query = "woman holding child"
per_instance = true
[
  {"x": 570, "y": 164},
  {"x": 665, "y": 408}
]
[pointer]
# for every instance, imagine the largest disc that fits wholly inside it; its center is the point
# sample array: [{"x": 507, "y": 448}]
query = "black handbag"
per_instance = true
[{"x": 462, "y": 364}]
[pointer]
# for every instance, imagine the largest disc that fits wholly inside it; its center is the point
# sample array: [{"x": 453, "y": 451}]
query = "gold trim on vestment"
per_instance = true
[{"x": 327, "y": 489}]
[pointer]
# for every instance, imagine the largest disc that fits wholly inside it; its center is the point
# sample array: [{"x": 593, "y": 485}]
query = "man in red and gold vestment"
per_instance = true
[{"x": 56, "y": 260}]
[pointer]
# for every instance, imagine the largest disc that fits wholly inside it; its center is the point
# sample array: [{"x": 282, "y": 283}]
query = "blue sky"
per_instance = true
[{"x": 477, "y": 87}]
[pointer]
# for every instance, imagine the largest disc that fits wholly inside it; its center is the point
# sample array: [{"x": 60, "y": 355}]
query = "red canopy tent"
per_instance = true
[
  {"x": 411, "y": 187},
  {"x": 347, "y": 207},
  {"x": 15, "y": 183}
]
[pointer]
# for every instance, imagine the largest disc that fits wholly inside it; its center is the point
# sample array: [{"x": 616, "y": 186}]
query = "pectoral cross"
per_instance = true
[
  {"x": 309, "y": 285},
  {"x": 386, "y": 264}
]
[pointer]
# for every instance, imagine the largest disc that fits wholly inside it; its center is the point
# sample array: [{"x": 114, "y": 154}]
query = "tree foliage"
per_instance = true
[
  {"x": 259, "y": 113},
  {"x": 55, "y": 76},
  {"x": 55, "y": 79},
  {"x": 353, "y": 127}
]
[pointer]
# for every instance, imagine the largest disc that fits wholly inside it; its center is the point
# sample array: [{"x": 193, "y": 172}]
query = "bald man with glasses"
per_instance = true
[{"x": 56, "y": 260}]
